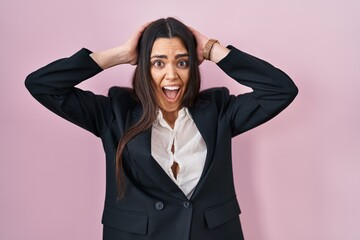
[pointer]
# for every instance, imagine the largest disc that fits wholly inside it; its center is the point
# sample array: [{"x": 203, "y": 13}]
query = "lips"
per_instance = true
[{"x": 171, "y": 92}]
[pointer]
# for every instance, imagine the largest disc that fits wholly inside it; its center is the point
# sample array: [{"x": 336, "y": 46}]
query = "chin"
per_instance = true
[{"x": 170, "y": 108}]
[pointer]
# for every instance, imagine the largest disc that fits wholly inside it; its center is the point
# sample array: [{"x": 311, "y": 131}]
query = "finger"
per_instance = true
[
  {"x": 138, "y": 33},
  {"x": 193, "y": 30},
  {"x": 144, "y": 26}
]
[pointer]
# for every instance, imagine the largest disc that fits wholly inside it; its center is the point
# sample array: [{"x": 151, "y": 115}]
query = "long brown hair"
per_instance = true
[{"x": 143, "y": 85}]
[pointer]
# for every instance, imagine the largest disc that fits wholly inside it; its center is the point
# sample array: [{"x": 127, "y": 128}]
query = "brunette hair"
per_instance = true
[{"x": 143, "y": 85}]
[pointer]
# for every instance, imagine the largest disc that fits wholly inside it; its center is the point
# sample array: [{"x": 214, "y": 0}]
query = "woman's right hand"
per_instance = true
[
  {"x": 131, "y": 45},
  {"x": 126, "y": 53}
]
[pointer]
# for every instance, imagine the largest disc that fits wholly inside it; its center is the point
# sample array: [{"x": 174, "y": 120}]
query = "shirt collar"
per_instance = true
[{"x": 183, "y": 113}]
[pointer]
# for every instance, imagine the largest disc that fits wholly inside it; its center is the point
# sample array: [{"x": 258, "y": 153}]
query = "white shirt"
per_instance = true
[{"x": 189, "y": 149}]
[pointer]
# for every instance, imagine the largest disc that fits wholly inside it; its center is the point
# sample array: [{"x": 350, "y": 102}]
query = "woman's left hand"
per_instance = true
[
  {"x": 218, "y": 51},
  {"x": 201, "y": 40}
]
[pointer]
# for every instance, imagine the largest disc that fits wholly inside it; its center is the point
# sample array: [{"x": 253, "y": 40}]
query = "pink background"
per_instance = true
[{"x": 297, "y": 177}]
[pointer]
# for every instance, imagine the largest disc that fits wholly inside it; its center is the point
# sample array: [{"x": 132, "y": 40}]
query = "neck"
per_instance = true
[{"x": 170, "y": 117}]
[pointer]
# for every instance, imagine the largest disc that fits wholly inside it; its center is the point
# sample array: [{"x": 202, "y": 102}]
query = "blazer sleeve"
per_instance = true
[
  {"x": 54, "y": 87},
  {"x": 273, "y": 90}
]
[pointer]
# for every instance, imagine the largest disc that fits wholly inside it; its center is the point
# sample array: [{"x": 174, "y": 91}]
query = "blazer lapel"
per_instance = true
[
  {"x": 205, "y": 119},
  {"x": 140, "y": 152}
]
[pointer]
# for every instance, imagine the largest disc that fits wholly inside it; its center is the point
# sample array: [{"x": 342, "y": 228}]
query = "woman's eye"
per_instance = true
[
  {"x": 158, "y": 64},
  {"x": 183, "y": 64}
]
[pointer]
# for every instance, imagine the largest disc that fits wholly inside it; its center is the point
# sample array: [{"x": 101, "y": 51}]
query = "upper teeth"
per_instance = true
[{"x": 172, "y": 88}]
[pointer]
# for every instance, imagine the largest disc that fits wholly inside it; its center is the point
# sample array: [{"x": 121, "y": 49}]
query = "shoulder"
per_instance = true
[
  {"x": 120, "y": 92},
  {"x": 124, "y": 94},
  {"x": 122, "y": 98},
  {"x": 215, "y": 94},
  {"x": 219, "y": 97}
]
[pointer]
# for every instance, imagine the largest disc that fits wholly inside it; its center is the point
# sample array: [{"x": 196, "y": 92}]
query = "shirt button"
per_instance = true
[
  {"x": 159, "y": 206},
  {"x": 186, "y": 204}
]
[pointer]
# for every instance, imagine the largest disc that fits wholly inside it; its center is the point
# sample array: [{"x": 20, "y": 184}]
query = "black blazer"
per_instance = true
[{"x": 154, "y": 207}]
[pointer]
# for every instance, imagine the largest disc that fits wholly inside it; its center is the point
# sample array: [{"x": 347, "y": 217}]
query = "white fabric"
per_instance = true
[{"x": 189, "y": 149}]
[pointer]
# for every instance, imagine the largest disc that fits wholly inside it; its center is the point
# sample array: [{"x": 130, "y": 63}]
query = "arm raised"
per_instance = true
[{"x": 124, "y": 54}]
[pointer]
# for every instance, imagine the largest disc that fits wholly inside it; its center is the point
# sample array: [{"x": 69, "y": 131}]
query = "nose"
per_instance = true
[{"x": 171, "y": 72}]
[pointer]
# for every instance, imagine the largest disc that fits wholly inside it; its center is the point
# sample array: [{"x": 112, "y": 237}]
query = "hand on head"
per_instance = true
[
  {"x": 128, "y": 52},
  {"x": 201, "y": 40},
  {"x": 132, "y": 43}
]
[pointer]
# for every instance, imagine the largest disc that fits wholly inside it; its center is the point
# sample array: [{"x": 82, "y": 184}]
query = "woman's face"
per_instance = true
[{"x": 169, "y": 64}]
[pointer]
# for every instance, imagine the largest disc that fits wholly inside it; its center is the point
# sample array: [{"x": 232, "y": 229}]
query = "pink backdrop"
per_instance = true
[{"x": 297, "y": 177}]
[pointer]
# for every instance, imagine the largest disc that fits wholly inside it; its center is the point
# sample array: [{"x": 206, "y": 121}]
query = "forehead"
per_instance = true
[{"x": 168, "y": 46}]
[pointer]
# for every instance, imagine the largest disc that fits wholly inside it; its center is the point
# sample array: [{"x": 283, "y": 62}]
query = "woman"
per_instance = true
[{"x": 167, "y": 145}]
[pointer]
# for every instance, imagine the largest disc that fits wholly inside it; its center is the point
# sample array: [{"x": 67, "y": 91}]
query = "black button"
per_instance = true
[
  {"x": 159, "y": 206},
  {"x": 186, "y": 204}
]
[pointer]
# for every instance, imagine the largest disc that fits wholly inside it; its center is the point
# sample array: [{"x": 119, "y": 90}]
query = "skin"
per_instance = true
[
  {"x": 127, "y": 54},
  {"x": 169, "y": 63}
]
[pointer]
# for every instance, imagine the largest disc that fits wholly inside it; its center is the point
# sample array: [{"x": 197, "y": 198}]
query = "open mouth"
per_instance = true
[{"x": 171, "y": 92}]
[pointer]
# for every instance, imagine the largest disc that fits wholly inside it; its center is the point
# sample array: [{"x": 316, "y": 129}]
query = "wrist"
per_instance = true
[
  {"x": 218, "y": 52},
  {"x": 208, "y": 48},
  {"x": 111, "y": 57}
]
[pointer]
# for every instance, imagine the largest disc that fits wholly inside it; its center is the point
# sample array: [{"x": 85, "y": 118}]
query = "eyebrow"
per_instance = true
[{"x": 180, "y": 55}]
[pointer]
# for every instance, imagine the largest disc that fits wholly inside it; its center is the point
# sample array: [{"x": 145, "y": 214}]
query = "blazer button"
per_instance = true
[
  {"x": 186, "y": 204},
  {"x": 159, "y": 206}
]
